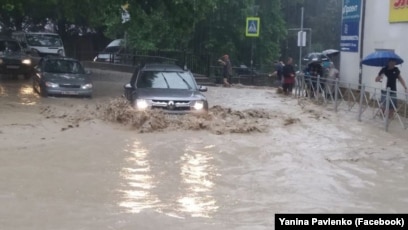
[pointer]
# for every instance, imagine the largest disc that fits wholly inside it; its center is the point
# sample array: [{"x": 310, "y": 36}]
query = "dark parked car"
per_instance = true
[
  {"x": 167, "y": 87},
  {"x": 62, "y": 76},
  {"x": 13, "y": 60}
]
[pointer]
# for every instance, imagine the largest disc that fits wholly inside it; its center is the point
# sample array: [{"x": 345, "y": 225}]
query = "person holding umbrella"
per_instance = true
[{"x": 393, "y": 74}]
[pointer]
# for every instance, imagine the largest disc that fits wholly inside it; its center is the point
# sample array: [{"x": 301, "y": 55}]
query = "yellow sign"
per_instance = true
[{"x": 398, "y": 11}]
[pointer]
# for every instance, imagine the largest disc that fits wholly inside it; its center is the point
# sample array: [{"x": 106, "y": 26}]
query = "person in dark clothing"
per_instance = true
[
  {"x": 312, "y": 72},
  {"x": 227, "y": 69},
  {"x": 393, "y": 74},
  {"x": 289, "y": 75},
  {"x": 278, "y": 66}
]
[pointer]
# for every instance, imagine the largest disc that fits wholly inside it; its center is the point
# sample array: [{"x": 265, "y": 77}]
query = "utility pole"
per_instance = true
[
  {"x": 255, "y": 13},
  {"x": 301, "y": 40},
  {"x": 252, "y": 31}
]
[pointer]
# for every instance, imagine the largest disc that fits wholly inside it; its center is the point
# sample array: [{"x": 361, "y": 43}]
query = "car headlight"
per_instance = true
[
  {"x": 87, "y": 86},
  {"x": 51, "y": 84},
  {"x": 141, "y": 104},
  {"x": 1, "y": 61},
  {"x": 26, "y": 61},
  {"x": 61, "y": 52},
  {"x": 198, "y": 105},
  {"x": 95, "y": 59}
]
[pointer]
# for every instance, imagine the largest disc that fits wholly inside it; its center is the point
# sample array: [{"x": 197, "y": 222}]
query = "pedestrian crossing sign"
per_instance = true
[{"x": 252, "y": 27}]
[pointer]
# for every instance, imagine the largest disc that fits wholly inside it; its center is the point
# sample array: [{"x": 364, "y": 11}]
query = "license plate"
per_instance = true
[
  {"x": 12, "y": 67},
  {"x": 69, "y": 92}
]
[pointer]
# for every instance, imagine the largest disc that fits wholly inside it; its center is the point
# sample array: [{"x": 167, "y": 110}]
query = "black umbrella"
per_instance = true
[{"x": 315, "y": 57}]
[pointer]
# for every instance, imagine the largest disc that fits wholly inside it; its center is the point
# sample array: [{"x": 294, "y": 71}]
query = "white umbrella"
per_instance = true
[{"x": 330, "y": 52}]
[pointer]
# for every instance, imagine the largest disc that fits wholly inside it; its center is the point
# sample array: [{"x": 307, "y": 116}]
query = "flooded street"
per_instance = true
[{"x": 63, "y": 167}]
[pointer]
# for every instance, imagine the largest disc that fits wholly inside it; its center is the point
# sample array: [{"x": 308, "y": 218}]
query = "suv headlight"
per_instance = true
[
  {"x": 26, "y": 61},
  {"x": 61, "y": 52},
  {"x": 51, "y": 84},
  {"x": 87, "y": 86},
  {"x": 198, "y": 105},
  {"x": 141, "y": 104}
]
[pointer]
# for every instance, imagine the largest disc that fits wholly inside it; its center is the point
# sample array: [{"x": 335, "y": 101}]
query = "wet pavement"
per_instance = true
[{"x": 102, "y": 175}]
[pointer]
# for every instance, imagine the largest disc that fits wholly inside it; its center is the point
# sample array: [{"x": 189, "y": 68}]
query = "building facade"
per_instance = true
[{"x": 368, "y": 25}]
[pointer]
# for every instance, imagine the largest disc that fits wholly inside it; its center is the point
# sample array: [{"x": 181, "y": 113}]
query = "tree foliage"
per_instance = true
[{"x": 200, "y": 26}]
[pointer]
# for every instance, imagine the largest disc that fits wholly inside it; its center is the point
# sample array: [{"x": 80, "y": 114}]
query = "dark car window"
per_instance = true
[
  {"x": 63, "y": 66},
  {"x": 112, "y": 49},
  {"x": 49, "y": 40},
  {"x": 9, "y": 46},
  {"x": 163, "y": 80}
]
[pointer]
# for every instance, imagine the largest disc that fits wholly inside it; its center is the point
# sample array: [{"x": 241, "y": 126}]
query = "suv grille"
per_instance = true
[{"x": 171, "y": 105}]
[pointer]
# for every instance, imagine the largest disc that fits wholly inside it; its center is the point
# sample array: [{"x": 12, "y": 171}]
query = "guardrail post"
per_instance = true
[
  {"x": 362, "y": 92},
  {"x": 302, "y": 88},
  {"x": 297, "y": 85},
  {"x": 318, "y": 87},
  {"x": 387, "y": 109},
  {"x": 405, "y": 112},
  {"x": 336, "y": 94},
  {"x": 301, "y": 84}
]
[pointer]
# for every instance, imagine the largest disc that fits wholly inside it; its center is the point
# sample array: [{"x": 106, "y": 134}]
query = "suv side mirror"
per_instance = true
[
  {"x": 202, "y": 88},
  {"x": 128, "y": 91},
  {"x": 128, "y": 86}
]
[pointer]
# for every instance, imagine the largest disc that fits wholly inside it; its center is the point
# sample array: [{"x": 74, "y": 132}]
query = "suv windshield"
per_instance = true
[
  {"x": 49, "y": 40},
  {"x": 9, "y": 47},
  {"x": 165, "y": 80},
  {"x": 63, "y": 66}
]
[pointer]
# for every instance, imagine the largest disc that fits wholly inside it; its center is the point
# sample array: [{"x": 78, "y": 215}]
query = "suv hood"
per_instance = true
[{"x": 168, "y": 94}]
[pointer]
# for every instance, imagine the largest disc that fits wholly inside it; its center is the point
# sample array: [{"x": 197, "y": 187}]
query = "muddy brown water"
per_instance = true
[{"x": 68, "y": 163}]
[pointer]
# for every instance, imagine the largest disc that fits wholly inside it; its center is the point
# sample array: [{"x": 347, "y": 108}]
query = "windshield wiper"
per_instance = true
[
  {"x": 184, "y": 80},
  {"x": 165, "y": 79}
]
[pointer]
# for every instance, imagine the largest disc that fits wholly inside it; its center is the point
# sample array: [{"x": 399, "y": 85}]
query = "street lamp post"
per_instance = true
[{"x": 255, "y": 9}]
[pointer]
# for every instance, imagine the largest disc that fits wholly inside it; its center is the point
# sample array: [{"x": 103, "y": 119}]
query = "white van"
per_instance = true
[
  {"x": 112, "y": 52},
  {"x": 39, "y": 43}
]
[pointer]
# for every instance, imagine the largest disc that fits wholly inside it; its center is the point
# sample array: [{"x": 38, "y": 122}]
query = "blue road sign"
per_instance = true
[{"x": 252, "y": 27}]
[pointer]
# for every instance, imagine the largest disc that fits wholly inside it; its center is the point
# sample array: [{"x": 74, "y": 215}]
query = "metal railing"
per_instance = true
[{"x": 367, "y": 102}]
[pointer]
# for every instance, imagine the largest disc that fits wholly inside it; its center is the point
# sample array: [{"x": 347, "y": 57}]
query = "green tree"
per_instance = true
[{"x": 200, "y": 26}]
